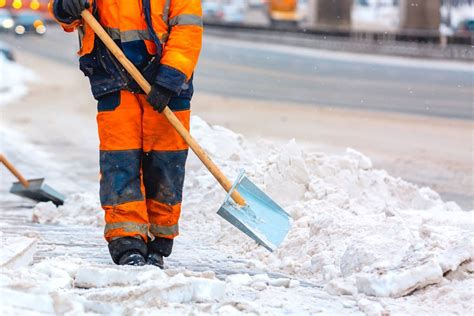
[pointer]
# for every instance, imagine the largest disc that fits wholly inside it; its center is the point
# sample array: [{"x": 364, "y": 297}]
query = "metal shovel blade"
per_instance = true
[
  {"x": 38, "y": 191},
  {"x": 261, "y": 218}
]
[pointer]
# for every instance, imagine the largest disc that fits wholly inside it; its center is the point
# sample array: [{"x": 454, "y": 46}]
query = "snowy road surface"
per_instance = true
[{"x": 363, "y": 242}]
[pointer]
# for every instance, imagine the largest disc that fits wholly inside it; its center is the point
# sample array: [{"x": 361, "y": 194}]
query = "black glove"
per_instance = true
[
  {"x": 159, "y": 97},
  {"x": 74, "y": 7}
]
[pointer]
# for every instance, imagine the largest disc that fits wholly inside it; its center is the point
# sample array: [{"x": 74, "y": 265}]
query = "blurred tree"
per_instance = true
[{"x": 421, "y": 15}]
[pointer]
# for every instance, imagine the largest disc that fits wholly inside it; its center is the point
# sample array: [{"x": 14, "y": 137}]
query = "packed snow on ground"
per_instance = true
[
  {"x": 16, "y": 251},
  {"x": 357, "y": 231},
  {"x": 12, "y": 80}
]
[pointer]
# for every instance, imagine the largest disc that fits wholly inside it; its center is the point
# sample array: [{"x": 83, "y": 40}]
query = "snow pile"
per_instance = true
[
  {"x": 78, "y": 209},
  {"x": 12, "y": 80},
  {"x": 359, "y": 227},
  {"x": 57, "y": 286},
  {"x": 357, "y": 230},
  {"x": 260, "y": 281}
]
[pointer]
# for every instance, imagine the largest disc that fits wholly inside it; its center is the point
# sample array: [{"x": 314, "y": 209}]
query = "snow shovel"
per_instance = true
[
  {"x": 246, "y": 206},
  {"x": 34, "y": 189}
]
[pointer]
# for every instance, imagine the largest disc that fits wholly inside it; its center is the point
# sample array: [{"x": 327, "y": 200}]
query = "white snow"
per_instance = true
[
  {"x": 360, "y": 242},
  {"x": 400, "y": 282},
  {"x": 78, "y": 209},
  {"x": 350, "y": 219},
  {"x": 58, "y": 286},
  {"x": 357, "y": 230},
  {"x": 12, "y": 80},
  {"x": 17, "y": 251}
]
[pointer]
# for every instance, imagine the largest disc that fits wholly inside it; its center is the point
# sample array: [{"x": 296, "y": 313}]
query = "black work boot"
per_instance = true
[
  {"x": 132, "y": 258},
  {"x": 157, "y": 249},
  {"x": 155, "y": 259},
  {"x": 128, "y": 251}
]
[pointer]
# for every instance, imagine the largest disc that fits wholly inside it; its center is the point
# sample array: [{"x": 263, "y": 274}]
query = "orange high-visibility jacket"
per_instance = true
[{"x": 175, "y": 36}]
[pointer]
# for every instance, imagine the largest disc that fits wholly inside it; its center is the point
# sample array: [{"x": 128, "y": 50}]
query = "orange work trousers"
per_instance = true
[{"x": 142, "y": 161}]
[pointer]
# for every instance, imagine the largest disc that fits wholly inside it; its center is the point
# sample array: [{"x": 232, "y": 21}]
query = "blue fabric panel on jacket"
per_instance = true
[
  {"x": 149, "y": 23},
  {"x": 170, "y": 78},
  {"x": 179, "y": 104},
  {"x": 187, "y": 90},
  {"x": 108, "y": 102},
  {"x": 136, "y": 52},
  {"x": 120, "y": 180},
  {"x": 163, "y": 175},
  {"x": 104, "y": 72}
]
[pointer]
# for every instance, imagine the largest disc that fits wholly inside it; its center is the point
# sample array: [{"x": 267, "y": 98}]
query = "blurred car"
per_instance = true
[
  {"x": 465, "y": 28},
  {"x": 29, "y": 22},
  {"x": 212, "y": 11},
  {"x": 303, "y": 10},
  {"x": 6, "y": 51},
  {"x": 256, "y": 3},
  {"x": 6, "y": 20},
  {"x": 233, "y": 13}
]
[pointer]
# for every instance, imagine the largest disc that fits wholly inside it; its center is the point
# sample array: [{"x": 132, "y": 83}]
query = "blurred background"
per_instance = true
[
  {"x": 452, "y": 18},
  {"x": 390, "y": 78}
]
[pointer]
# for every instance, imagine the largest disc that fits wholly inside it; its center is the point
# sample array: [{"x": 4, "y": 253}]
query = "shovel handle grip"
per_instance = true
[
  {"x": 174, "y": 121},
  {"x": 14, "y": 171}
]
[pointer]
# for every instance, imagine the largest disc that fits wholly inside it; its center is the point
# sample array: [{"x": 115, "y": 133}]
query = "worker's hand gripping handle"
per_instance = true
[{"x": 117, "y": 52}]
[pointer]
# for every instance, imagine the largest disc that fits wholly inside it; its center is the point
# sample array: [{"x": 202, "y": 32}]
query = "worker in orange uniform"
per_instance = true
[{"x": 142, "y": 157}]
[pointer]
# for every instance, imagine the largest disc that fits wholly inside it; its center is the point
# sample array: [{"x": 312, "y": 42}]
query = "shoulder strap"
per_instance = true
[{"x": 151, "y": 30}]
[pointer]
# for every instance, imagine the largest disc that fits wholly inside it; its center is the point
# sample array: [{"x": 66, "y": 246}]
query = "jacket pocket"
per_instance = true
[{"x": 105, "y": 76}]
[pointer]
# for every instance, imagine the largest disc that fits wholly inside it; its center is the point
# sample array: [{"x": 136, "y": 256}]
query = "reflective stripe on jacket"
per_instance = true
[{"x": 176, "y": 28}]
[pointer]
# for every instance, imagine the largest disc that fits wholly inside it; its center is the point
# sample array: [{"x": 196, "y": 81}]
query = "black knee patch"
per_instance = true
[
  {"x": 163, "y": 246},
  {"x": 120, "y": 246}
]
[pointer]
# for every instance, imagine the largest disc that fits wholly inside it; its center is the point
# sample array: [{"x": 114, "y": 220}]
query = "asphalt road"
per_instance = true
[{"x": 268, "y": 72}]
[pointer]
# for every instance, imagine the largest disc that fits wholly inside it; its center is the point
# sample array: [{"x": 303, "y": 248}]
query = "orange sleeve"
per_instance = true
[{"x": 182, "y": 49}]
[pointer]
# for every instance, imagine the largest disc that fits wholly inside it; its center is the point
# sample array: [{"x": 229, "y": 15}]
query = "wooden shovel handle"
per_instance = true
[
  {"x": 13, "y": 170},
  {"x": 174, "y": 121}
]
